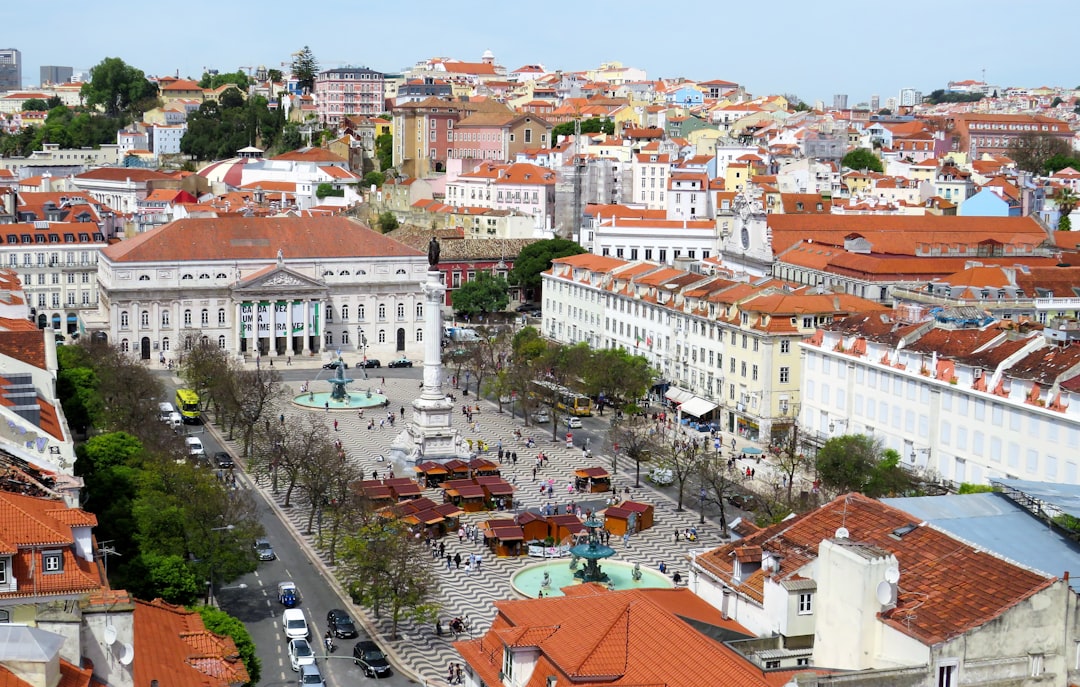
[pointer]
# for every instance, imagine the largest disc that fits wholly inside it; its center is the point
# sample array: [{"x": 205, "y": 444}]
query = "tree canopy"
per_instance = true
[
  {"x": 856, "y": 462},
  {"x": 861, "y": 158},
  {"x": 119, "y": 88},
  {"x": 219, "y": 128},
  {"x": 593, "y": 125},
  {"x": 238, "y": 78},
  {"x": 485, "y": 294},
  {"x": 305, "y": 68},
  {"x": 536, "y": 258},
  {"x": 1033, "y": 151},
  {"x": 940, "y": 95}
]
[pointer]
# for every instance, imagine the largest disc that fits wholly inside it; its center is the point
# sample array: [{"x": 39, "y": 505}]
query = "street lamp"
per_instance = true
[{"x": 701, "y": 495}]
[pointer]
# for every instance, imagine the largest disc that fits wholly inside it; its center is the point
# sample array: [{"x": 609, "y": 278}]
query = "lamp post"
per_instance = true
[
  {"x": 210, "y": 582},
  {"x": 701, "y": 496},
  {"x": 363, "y": 345}
]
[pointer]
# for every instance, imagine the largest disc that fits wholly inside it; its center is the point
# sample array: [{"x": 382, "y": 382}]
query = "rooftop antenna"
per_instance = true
[{"x": 103, "y": 552}]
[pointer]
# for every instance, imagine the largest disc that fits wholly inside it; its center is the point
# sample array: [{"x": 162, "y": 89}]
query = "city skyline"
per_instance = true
[{"x": 848, "y": 48}]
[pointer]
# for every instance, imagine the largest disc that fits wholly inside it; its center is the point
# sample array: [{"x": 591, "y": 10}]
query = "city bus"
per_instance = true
[
  {"x": 562, "y": 398},
  {"x": 187, "y": 402}
]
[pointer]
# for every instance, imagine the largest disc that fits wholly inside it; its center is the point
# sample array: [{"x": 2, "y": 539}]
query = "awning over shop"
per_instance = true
[
  {"x": 678, "y": 395},
  {"x": 696, "y": 406}
]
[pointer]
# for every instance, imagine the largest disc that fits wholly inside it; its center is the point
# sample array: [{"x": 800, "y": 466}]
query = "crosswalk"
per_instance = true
[{"x": 472, "y": 594}]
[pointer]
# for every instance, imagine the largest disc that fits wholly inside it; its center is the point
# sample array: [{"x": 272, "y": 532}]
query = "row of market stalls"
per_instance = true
[
  {"x": 433, "y": 474},
  {"x": 547, "y": 536}
]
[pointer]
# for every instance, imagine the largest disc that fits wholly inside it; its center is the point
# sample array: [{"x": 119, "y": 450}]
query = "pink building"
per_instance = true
[{"x": 348, "y": 91}]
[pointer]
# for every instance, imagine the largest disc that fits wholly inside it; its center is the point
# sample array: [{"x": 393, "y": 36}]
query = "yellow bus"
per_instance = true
[
  {"x": 187, "y": 403},
  {"x": 564, "y": 399}
]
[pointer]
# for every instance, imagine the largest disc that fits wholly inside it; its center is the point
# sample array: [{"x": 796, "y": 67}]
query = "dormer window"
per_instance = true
[
  {"x": 508, "y": 665},
  {"x": 52, "y": 562}
]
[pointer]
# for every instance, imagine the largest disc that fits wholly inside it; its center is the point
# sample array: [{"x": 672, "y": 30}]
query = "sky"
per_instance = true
[{"x": 811, "y": 49}]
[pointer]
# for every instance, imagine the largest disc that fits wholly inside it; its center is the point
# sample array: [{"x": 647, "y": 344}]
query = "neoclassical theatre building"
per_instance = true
[{"x": 281, "y": 286}]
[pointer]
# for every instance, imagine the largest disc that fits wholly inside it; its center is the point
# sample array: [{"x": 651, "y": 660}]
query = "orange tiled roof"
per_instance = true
[
  {"x": 947, "y": 586},
  {"x": 135, "y": 174},
  {"x": 177, "y": 650},
  {"x": 240, "y": 238}
]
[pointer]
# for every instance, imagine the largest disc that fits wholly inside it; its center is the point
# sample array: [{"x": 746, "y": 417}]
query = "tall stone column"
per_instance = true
[
  {"x": 434, "y": 293},
  {"x": 289, "y": 327},
  {"x": 307, "y": 326},
  {"x": 238, "y": 329}
]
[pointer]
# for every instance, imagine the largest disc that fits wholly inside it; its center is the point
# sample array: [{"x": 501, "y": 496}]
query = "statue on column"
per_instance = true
[{"x": 433, "y": 252}]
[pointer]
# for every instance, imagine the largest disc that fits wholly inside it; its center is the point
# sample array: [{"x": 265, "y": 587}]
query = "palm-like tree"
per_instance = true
[{"x": 1066, "y": 200}]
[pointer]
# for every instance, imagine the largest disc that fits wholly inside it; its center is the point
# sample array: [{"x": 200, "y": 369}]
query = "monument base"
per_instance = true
[{"x": 429, "y": 436}]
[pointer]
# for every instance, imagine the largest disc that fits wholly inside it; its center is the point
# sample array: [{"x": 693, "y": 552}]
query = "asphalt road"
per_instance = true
[{"x": 253, "y": 598}]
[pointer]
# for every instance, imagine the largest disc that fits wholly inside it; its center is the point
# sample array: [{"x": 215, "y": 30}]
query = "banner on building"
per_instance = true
[
  {"x": 247, "y": 320},
  {"x": 263, "y": 319},
  {"x": 313, "y": 320},
  {"x": 281, "y": 319},
  {"x": 298, "y": 318}
]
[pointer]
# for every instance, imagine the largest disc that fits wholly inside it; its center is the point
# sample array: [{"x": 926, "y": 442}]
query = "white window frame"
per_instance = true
[{"x": 806, "y": 603}]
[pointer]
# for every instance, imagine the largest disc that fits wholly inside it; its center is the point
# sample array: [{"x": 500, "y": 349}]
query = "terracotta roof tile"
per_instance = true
[{"x": 176, "y": 649}]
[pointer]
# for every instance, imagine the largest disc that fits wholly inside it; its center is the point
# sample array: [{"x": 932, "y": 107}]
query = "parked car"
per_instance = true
[
  {"x": 400, "y": 362},
  {"x": 300, "y": 654},
  {"x": 332, "y": 365},
  {"x": 311, "y": 677},
  {"x": 264, "y": 551},
  {"x": 541, "y": 417},
  {"x": 165, "y": 409},
  {"x": 370, "y": 658},
  {"x": 371, "y": 362},
  {"x": 223, "y": 460},
  {"x": 294, "y": 624},
  {"x": 526, "y": 307},
  {"x": 288, "y": 594},
  {"x": 339, "y": 623},
  {"x": 175, "y": 420},
  {"x": 194, "y": 447},
  {"x": 573, "y": 422}
]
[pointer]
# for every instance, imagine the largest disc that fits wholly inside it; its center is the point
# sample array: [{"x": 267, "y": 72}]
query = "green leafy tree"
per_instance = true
[
  {"x": 1066, "y": 200},
  {"x": 274, "y": 75},
  {"x": 940, "y": 95},
  {"x": 220, "y": 622},
  {"x": 487, "y": 293},
  {"x": 536, "y": 258},
  {"x": 108, "y": 450},
  {"x": 636, "y": 440},
  {"x": 375, "y": 179},
  {"x": 593, "y": 125},
  {"x": 388, "y": 569},
  {"x": 1033, "y": 151},
  {"x": 617, "y": 375},
  {"x": 861, "y": 158},
  {"x": 35, "y": 105},
  {"x": 384, "y": 151},
  {"x": 119, "y": 88},
  {"x": 171, "y": 578},
  {"x": 305, "y": 68},
  {"x": 856, "y": 462},
  {"x": 324, "y": 189},
  {"x": 387, "y": 222},
  {"x": 238, "y": 78},
  {"x": 291, "y": 138}
]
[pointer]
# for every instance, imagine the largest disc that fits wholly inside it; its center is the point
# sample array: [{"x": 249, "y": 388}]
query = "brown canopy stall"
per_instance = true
[
  {"x": 373, "y": 490},
  {"x": 404, "y": 488},
  {"x": 617, "y": 518},
  {"x": 562, "y": 526},
  {"x": 504, "y": 538},
  {"x": 482, "y": 467},
  {"x": 466, "y": 494},
  {"x": 431, "y": 473},
  {"x": 593, "y": 480},
  {"x": 534, "y": 526},
  {"x": 458, "y": 469}
]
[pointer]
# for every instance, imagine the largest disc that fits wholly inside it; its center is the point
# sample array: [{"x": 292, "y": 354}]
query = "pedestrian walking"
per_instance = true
[
  {"x": 402, "y": 412},
  {"x": 457, "y": 560},
  {"x": 288, "y": 361},
  {"x": 326, "y": 405},
  {"x": 626, "y": 539},
  {"x": 676, "y": 536},
  {"x": 442, "y": 548},
  {"x": 461, "y": 534},
  {"x": 282, "y": 418},
  {"x": 335, "y": 425},
  {"x": 449, "y": 560}
]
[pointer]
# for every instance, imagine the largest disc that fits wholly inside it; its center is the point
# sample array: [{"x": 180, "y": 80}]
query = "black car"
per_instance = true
[
  {"x": 371, "y": 362},
  {"x": 223, "y": 460},
  {"x": 526, "y": 307},
  {"x": 332, "y": 365},
  {"x": 339, "y": 622},
  {"x": 400, "y": 362},
  {"x": 370, "y": 658}
]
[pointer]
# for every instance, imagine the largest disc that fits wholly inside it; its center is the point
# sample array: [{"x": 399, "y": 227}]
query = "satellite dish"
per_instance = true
[
  {"x": 842, "y": 533},
  {"x": 128, "y": 655},
  {"x": 892, "y": 575},
  {"x": 884, "y": 593},
  {"x": 110, "y": 635}
]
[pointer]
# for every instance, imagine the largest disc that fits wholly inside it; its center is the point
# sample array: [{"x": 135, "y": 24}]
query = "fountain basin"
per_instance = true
[
  {"x": 354, "y": 401},
  {"x": 526, "y": 581}
]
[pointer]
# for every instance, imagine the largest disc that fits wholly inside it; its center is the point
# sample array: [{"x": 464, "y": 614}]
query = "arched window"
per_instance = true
[
  {"x": 345, "y": 337},
  {"x": 344, "y": 313},
  {"x": 419, "y": 335},
  {"x": 329, "y": 313},
  {"x": 165, "y": 344},
  {"x": 164, "y": 318},
  {"x": 204, "y": 317},
  {"x": 187, "y": 318},
  {"x": 382, "y": 336},
  {"x": 124, "y": 319},
  {"x": 360, "y": 313},
  {"x": 419, "y": 311},
  {"x": 382, "y": 311},
  {"x": 124, "y": 346},
  {"x": 329, "y": 339},
  {"x": 221, "y": 316},
  {"x": 401, "y": 311},
  {"x": 221, "y": 342},
  {"x": 144, "y": 318}
]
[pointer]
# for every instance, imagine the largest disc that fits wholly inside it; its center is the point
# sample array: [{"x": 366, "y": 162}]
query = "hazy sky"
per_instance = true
[{"x": 812, "y": 49}]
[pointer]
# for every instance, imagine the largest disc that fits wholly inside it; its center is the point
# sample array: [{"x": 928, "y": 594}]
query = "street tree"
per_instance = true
[
  {"x": 856, "y": 462},
  {"x": 220, "y": 622},
  {"x": 344, "y": 509},
  {"x": 124, "y": 385},
  {"x": 535, "y": 259},
  {"x": 1033, "y": 151},
  {"x": 487, "y": 354},
  {"x": 305, "y": 68},
  {"x": 789, "y": 459},
  {"x": 635, "y": 439},
  {"x": 682, "y": 456},
  {"x": 487, "y": 293},
  {"x": 249, "y": 397},
  {"x": 560, "y": 366},
  {"x": 388, "y": 569},
  {"x": 617, "y": 375},
  {"x": 862, "y": 159},
  {"x": 719, "y": 483},
  {"x": 316, "y": 472},
  {"x": 119, "y": 88}
]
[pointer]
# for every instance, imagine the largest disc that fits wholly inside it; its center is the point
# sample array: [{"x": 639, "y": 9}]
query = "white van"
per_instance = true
[
  {"x": 175, "y": 421},
  {"x": 165, "y": 411}
]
